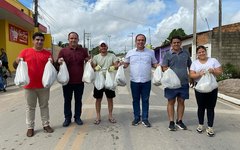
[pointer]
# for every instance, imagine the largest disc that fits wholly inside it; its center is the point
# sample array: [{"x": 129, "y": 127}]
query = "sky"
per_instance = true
[{"x": 118, "y": 21}]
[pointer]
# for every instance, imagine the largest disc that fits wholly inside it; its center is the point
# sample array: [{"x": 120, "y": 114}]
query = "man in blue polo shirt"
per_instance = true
[{"x": 179, "y": 61}]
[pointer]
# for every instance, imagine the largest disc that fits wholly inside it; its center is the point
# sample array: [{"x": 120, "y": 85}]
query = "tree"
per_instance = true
[
  {"x": 175, "y": 32},
  {"x": 95, "y": 51},
  {"x": 60, "y": 43}
]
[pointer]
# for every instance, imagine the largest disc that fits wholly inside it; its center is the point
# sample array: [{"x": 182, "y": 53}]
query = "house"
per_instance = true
[
  {"x": 230, "y": 50},
  {"x": 17, "y": 28}
]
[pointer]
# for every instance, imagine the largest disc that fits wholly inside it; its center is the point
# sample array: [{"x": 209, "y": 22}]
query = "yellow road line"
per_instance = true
[
  {"x": 62, "y": 143},
  {"x": 64, "y": 140},
  {"x": 81, "y": 134}
]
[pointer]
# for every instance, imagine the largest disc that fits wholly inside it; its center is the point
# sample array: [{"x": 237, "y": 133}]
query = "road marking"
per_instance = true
[
  {"x": 190, "y": 109},
  {"x": 83, "y": 131},
  {"x": 64, "y": 140},
  {"x": 62, "y": 143}
]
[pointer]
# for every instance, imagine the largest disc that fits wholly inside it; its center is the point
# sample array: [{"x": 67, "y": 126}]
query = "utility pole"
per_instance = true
[
  {"x": 86, "y": 35},
  {"x": 194, "y": 44},
  {"x": 35, "y": 17},
  {"x": 220, "y": 31},
  {"x": 132, "y": 40},
  {"x": 84, "y": 38},
  {"x": 109, "y": 36},
  {"x": 149, "y": 32}
]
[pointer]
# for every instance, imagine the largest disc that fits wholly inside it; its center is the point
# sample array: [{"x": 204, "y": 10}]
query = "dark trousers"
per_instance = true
[
  {"x": 68, "y": 91},
  {"x": 206, "y": 101},
  {"x": 140, "y": 91}
]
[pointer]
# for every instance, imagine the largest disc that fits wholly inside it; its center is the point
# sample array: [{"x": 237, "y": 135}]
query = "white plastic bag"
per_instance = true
[
  {"x": 109, "y": 82},
  {"x": 88, "y": 74},
  {"x": 49, "y": 75},
  {"x": 207, "y": 83},
  {"x": 63, "y": 75},
  {"x": 22, "y": 78},
  {"x": 120, "y": 79},
  {"x": 157, "y": 75},
  {"x": 170, "y": 79},
  {"x": 99, "y": 80}
]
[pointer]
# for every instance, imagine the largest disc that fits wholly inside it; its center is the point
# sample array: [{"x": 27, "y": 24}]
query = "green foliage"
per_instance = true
[
  {"x": 229, "y": 71},
  {"x": 175, "y": 32},
  {"x": 94, "y": 51}
]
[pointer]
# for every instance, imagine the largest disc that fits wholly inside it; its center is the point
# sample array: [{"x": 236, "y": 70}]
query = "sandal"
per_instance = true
[
  {"x": 112, "y": 120},
  {"x": 97, "y": 122}
]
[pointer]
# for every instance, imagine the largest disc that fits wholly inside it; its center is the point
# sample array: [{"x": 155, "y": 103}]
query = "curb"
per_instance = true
[{"x": 228, "y": 98}]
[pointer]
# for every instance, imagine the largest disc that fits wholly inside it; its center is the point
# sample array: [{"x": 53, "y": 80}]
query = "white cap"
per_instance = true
[{"x": 102, "y": 42}]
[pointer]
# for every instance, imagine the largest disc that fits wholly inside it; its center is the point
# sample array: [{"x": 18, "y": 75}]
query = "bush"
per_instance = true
[{"x": 229, "y": 71}]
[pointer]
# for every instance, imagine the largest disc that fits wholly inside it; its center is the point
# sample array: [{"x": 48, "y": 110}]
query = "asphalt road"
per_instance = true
[{"x": 119, "y": 136}]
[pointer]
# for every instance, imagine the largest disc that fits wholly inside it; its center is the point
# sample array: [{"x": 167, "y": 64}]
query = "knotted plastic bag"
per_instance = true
[
  {"x": 99, "y": 80},
  {"x": 170, "y": 79},
  {"x": 109, "y": 82},
  {"x": 22, "y": 78},
  {"x": 63, "y": 75},
  {"x": 88, "y": 74},
  {"x": 120, "y": 79},
  {"x": 207, "y": 83},
  {"x": 157, "y": 75},
  {"x": 49, "y": 75}
]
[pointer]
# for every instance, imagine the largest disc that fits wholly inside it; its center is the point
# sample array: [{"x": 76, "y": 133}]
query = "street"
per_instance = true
[{"x": 119, "y": 136}]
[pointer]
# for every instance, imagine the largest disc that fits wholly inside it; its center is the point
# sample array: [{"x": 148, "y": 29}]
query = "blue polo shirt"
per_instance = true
[{"x": 179, "y": 63}]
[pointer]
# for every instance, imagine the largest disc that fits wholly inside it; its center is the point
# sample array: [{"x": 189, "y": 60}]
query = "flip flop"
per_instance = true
[
  {"x": 97, "y": 122},
  {"x": 112, "y": 120}
]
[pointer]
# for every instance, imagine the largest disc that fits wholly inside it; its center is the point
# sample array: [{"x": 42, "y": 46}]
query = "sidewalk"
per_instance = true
[{"x": 10, "y": 81}]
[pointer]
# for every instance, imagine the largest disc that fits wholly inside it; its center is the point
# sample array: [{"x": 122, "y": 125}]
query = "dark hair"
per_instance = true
[
  {"x": 201, "y": 47},
  {"x": 175, "y": 37},
  {"x": 37, "y": 34},
  {"x": 72, "y": 33},
  {"x": 140, "y": 35}
]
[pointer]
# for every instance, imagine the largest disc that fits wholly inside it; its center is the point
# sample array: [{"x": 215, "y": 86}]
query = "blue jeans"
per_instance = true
[
  {"x": 1, "y": 83},
  {"x": 140, "y": 90},
  {"x": 67, "y": 93}
]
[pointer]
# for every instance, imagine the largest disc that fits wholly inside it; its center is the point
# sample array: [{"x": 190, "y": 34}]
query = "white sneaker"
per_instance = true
[
  {"x": 210, "y": 132},
  {"x": 200, "y": 128}
]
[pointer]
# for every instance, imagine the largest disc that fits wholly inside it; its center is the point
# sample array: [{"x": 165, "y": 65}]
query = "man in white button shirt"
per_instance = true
[{"x": 141, "y": 61}]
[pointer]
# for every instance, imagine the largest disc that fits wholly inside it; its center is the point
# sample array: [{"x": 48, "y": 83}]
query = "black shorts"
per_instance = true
[{"x": 99, "y": 93}]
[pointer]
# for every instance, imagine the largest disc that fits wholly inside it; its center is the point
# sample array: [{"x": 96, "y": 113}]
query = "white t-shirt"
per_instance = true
[{"x": 210, "y": 63}]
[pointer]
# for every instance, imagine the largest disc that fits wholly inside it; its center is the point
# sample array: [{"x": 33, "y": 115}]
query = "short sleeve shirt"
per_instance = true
[
  {"x": 36, "y": 61},
  {"x": 104, "y": 61},
  {"x": 179, "y": 63},
  {"x": 74, "y": 59},
  {"x": 211, "y": 63},
  {"x": 140, "y": 64}
]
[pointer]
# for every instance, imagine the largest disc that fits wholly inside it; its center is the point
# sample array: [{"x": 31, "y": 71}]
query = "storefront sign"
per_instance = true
[{"x": 18, "y": 35}]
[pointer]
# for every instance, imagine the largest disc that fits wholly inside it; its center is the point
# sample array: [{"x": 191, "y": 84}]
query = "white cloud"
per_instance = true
[
  {"x": 236, "y": 17},
  {"x": 121, "y": 18}
]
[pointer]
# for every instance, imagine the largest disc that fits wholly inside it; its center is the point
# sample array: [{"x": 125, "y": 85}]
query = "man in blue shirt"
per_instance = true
[{"x": 179, "y": 61}]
